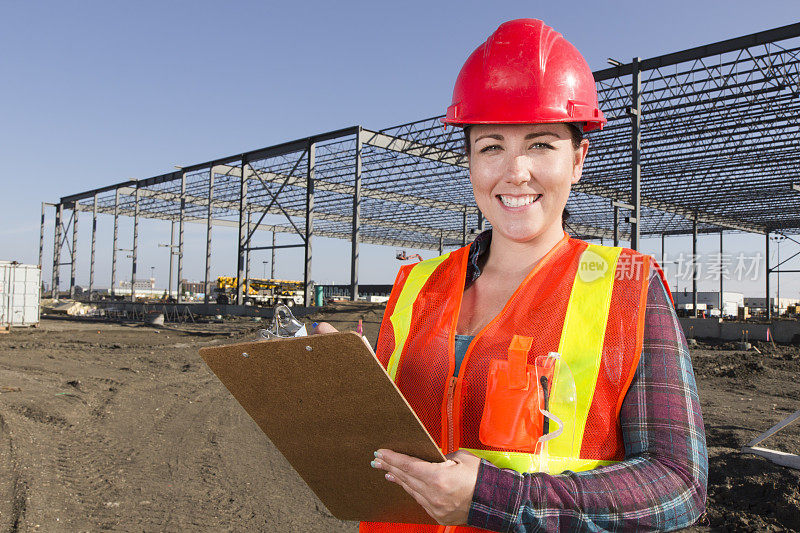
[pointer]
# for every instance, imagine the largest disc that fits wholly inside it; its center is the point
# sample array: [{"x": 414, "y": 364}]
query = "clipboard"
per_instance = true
[{"x": 327, "y": 403}]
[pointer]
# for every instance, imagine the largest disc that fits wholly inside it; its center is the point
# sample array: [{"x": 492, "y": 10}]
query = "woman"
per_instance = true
[{"x": 553, "y": 373}]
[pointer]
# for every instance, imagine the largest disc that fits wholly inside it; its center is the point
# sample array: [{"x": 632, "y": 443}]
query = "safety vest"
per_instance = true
[{"x": 585, "y": 302}]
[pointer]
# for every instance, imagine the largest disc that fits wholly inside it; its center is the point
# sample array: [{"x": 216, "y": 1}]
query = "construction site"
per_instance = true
[{"x": 109, "y": 419}]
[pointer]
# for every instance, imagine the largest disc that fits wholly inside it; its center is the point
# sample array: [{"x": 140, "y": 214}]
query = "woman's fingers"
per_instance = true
[
  {"x": 409, "y": 471},
  {"x": 324, "y": 327}
]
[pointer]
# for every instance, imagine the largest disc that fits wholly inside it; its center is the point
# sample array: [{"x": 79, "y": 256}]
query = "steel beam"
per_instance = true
[
  {"x": 277, "y": 150},
  {"x": 300, "y": 213},
  {"x": 586, "y": 186},
  {"x": 700, "y": 52},
  {"x": 381, "y": 241},
  {"x": 345, "y": 189}
]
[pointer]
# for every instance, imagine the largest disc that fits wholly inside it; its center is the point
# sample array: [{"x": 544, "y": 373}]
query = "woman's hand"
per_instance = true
[{"x": 444, "y": 490}]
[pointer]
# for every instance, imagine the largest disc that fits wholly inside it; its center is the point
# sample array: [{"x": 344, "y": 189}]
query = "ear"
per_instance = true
[{"x": 579, "y": 158}]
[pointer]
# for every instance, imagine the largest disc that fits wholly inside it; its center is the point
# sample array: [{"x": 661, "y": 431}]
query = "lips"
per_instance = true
[{"x": 518, "y": 200}]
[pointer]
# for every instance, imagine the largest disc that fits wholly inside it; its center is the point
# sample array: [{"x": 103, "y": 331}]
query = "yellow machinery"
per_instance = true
[{"x": 260, "y": 291}]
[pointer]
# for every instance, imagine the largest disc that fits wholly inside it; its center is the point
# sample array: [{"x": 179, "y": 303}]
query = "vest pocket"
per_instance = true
[{"x": 511, "y": 416}]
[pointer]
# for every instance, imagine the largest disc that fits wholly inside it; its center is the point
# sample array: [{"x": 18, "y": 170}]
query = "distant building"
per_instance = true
[
  {"x": 708, "y": 300},
  {"x": 757, "y": 302},
  {"x": 143, "y": 284},
  {"x": 194, "y": 287}
]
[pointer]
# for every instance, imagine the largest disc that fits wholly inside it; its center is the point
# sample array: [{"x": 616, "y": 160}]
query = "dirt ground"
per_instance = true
[{"x": 122, "y": 427}]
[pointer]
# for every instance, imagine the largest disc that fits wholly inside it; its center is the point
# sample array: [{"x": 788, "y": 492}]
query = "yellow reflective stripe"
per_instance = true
[
  {"x": 581, "y": 344},
  {"x": 528, "y": 462},
  {"x": 401, "y": 317}
]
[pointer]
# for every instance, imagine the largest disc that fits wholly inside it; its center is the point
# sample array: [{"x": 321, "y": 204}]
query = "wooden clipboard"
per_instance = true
[{"x": 327, "y": 404}]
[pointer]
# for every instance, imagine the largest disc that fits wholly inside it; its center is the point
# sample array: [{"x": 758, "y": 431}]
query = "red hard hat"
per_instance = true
[{"x": 525, "y": 73}]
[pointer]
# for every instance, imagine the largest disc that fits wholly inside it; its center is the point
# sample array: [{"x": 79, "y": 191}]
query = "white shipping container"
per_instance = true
[{"x": 19, "y": 294}]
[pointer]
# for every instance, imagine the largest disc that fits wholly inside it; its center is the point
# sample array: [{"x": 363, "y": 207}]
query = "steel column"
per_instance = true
[
  {"x": 73, "y": 254},
  {"x": 464, "y": 228},
  {"x": 242, "y": 232},
  {"x": 441, "y": 243},
  {"x": 616, "y": 226},
  {"x": 171, "y": 255},
  {"x": 94, "y": 242},
  {"x": 636, "y": 145},
  {"x": 662, "y": 248},
  {"x": 208, "y": 234},
  {"x": 307, "y": 290},
  {"x": 41, "y": 237},
  {"x": 134, "y": 249},
  {"x": 56, "y": 251},
  {"x": 721, "y": 277},
  {"x": 354, "y": 253},
  {"x": 272, "y": 266},
  {"x": 694, "y": 266},
  {"x": 481, "y": 222},
  {"x": 181, "y": 217},
  {"x": 114, "y": 249},
  {"x": 767, "y": 304},
  {"x": 247, "y": 255}
]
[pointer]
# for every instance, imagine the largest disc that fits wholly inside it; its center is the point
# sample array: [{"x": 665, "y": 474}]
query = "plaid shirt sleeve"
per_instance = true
[{"x": 661, "y": 484}]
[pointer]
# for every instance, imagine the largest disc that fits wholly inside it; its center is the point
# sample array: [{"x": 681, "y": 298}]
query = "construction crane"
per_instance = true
[{"x": 401, "y": 255}]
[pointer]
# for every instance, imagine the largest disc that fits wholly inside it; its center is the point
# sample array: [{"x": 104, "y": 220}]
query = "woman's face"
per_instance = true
[{"x": 521, "y": 176}]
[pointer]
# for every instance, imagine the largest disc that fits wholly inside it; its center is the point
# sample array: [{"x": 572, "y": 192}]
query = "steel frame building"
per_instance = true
[{"x": 699, "y": 141}]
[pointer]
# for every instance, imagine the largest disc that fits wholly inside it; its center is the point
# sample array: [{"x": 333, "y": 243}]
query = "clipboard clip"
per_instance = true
[{"x": 284, "y": 325}]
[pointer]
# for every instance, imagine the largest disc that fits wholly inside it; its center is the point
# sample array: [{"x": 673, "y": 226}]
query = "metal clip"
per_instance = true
[{"x": 284, "y": 325}]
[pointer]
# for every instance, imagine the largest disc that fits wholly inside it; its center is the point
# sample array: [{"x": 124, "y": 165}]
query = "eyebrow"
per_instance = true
[{"x": 499, "y": 137}]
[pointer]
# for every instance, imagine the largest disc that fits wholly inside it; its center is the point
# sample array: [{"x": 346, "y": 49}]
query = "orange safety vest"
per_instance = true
[{"x": 586, "y": 302}]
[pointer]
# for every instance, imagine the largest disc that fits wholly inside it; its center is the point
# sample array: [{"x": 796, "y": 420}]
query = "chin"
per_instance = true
[{"x": 520, "y": 233}]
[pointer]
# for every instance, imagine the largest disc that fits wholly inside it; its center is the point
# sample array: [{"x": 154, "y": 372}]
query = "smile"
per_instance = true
[{"x": 518, "y": 201}]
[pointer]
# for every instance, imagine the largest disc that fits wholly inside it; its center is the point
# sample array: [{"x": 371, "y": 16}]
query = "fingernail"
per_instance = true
[
  {"x": 315, "y": 324},
  {"x": 378, "y": 455},
  {"x": 389, "y": 477},
  {"x": 375, "y": 464}
]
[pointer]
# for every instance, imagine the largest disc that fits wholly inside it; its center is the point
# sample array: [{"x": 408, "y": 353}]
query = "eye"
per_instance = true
[
  {"x": 490, "y": 148},
  {"x": 541, "y": 146}
]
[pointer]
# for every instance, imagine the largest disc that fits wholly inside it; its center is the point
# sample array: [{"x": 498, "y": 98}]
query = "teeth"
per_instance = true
[{"x": 518, "y": 201}]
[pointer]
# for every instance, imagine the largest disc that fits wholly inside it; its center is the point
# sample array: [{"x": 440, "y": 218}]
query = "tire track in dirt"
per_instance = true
[{"x": 11, "y": 483}]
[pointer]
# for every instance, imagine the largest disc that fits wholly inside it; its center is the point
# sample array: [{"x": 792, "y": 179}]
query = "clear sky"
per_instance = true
[{"x": 93, "y": 93}]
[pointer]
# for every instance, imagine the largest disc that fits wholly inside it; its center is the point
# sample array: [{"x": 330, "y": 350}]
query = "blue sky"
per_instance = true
[{"x": 93, "y": 93}]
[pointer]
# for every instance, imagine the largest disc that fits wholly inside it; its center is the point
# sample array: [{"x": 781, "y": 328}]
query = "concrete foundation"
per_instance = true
[{"x": 784, "y": 331}]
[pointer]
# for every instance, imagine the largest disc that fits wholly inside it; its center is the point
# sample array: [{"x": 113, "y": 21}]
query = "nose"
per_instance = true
[{"x": 519, "y": 169}]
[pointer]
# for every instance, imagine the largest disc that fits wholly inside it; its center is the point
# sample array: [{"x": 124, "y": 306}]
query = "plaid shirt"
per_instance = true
[{"x": 661, "y": 484}]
